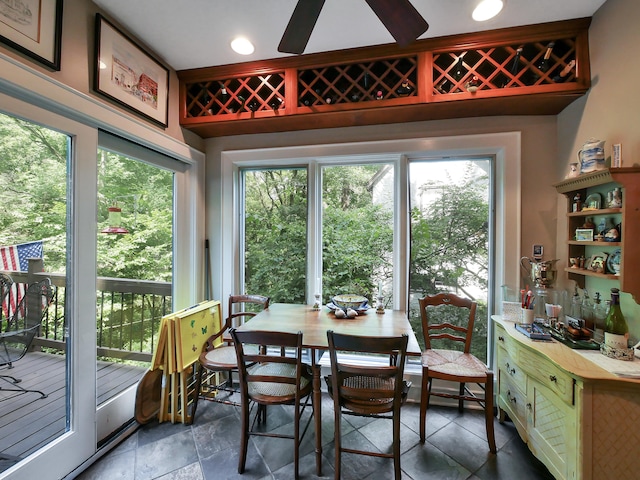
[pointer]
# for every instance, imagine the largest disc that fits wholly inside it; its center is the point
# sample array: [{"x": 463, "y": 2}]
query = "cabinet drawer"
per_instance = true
[
  {"x": 556, "y": 380},
  {"x": 506, "y": 342},
  {"x": 513, "y": 401},
  {"x": 510, "y": 369}
]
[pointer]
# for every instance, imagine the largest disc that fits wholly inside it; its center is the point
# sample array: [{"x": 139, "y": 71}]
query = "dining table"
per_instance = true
[{"x": 314, "y": 324}]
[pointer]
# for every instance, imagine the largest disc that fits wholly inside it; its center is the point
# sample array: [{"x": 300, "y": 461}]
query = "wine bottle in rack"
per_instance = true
[
  {"x": 564, "y": 74},
  {"x": 224, "y": 95},
  {"x": 543, "y": 65},
  {"x": 458, "y": 70},
  {"x": 515, "y": 66}
]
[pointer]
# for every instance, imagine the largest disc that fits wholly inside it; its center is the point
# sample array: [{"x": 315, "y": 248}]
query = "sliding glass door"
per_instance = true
[{"x": 46, "y": 224}]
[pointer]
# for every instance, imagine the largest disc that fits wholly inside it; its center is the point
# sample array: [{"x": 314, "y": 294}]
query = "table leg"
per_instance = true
[{"x": 317, "y": 408}]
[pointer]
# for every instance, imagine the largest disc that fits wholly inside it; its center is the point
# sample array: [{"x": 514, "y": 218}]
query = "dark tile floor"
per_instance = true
[{"x": 456, "y": 448}]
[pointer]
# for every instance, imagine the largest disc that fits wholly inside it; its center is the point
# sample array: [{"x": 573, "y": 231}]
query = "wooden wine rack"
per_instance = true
[{"x": 488, "y": 73}]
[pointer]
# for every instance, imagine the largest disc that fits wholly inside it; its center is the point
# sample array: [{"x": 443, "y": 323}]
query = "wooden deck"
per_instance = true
[{"x": 27, "y": 421}]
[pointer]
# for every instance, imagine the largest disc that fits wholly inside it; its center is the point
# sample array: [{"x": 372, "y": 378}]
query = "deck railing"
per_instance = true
[{"x": 128, "y": 314}]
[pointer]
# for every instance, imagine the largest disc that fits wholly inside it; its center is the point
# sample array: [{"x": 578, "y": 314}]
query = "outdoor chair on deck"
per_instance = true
[
  {"x": 367, "y": 390},
  {"x": 268, "y": 376},
  {"x": 21, "y": 328},
  {"x": 6, "y": 285},
  {"x": 450, "y": 318},
  {"x": 218, "y": 358}
]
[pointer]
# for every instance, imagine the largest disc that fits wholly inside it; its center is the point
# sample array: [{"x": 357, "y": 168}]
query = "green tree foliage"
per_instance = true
[
  {"x": 33, "y": 186},
  {"x": 357, "y": 235},
  {"x": 449, "y": 248},
  {"x": 357, "y": 232},
  {"x": 145, "y": 195},
  {"x": 276, "y": 234},
  {"x": 450, "y": 238}
]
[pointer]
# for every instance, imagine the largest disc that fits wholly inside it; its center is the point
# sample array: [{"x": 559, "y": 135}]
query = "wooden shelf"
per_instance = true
[
  {"x": 588, "y": 273},
  {"x": 629, "y": 179},
  {"x": 488, "y": 73}
]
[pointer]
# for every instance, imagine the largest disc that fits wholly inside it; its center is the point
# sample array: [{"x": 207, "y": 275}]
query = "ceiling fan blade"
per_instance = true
[
  {"x": 304, "y": 18},
  {"x": 401, "y": 18}
]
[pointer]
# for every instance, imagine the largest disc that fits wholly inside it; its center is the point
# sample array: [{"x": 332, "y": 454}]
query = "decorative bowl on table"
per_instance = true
[{"x": 350, "y": 301}]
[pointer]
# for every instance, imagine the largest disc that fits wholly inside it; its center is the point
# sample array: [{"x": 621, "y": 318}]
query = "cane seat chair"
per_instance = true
[
  {"x": 218, "y": 359},
  {"x": 367, "y": 390},
  {"x": 20, "y": 330},
  {"x": 271, "y": 372},
  {"x": 448, "y": 318}
]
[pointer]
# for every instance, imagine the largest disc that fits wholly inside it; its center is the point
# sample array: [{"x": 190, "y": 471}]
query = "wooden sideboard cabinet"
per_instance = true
[{"x": 575, "y": 415}]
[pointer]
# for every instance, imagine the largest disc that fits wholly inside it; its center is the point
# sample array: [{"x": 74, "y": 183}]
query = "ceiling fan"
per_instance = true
[{"x": 400, "y": 17}]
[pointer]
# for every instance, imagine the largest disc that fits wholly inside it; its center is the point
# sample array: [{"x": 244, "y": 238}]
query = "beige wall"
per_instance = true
[
  {"x": 610, "y": 111},
  {"x": 76, "y": 70}
]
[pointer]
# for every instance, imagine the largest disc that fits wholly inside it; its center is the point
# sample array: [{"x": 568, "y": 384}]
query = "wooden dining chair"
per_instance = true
[
  {"x": 267, "y": 377},
  {"x": 448, "y": 319},
  {"x": 367, "y": 390},
  {"x": 218, "y": 359}
]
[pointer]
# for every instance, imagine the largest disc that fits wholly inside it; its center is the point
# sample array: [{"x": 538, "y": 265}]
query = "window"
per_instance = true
[
  {"x": 500, "y": 152},
  {"x": 275, "y": 233},
  {"x": 450, "y": 232}
]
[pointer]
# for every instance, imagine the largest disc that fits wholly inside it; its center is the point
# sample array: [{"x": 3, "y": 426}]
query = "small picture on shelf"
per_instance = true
[
  {"x": 614, "y": 198},
  {"x": 597, "y": 262},
  {"x": 584, "y": 234},
  {"x": 592, "y": 202}
]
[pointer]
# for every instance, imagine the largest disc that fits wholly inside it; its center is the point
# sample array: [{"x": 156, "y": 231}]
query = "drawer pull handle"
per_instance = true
[
  {"x": 512, "y": 371},
  {"x": 553, "y": 378},
  {"x": 510, "y": 397},
  {"x": 529, "y": 406},
  {"x": 501, "y": 338}
]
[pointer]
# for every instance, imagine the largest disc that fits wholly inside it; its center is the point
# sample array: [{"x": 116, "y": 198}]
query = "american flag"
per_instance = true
[{"x": 16, "y": 258}]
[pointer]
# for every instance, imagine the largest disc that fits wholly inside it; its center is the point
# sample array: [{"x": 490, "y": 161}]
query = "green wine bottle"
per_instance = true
[{"x": 616, "y": 330}]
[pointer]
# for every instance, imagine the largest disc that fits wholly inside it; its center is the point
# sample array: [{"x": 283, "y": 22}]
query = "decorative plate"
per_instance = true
[
  {"x": 613, "y": 261},
  {"x": 593, "y": 202}
]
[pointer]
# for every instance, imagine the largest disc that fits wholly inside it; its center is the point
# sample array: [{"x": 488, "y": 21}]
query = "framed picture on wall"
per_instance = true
[
  {"x": 33, "y": 28},
  {"x": 128, "y": 75}
]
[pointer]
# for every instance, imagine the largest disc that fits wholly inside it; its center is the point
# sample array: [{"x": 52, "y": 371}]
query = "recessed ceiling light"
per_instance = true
[
  {"x": 242, "y": 46},
  {"x": 487, "y": 9}
]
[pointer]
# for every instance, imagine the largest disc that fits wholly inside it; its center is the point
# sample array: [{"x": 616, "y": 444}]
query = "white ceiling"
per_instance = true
[{"x": 196, "y": 33}]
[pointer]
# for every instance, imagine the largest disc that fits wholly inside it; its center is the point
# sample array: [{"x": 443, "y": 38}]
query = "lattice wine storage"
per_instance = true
[
  {"x": 509, "y": 66},
  {"x": 531, "y": 70},
  {"x": 358, "y": 82},
  {"x": 234, "y": 95}
]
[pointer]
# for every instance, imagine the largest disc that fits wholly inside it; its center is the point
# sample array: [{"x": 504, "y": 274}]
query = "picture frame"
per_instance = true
[
  {"x": 34, "y": 29},
  {"x": 128, "y": 75},
  {"x": 592, "y": 202},
  {"x": 584, "y": 234},
  {"x": 597, "y": 263}
]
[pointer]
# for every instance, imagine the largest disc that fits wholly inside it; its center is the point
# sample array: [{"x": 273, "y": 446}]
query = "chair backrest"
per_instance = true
[
  {"x": 263, "y": 381},
  {"x": 243, "y": 307},
  {"x": 31, "y": 307},
  {"x": 447, "y": 316},
  {"x": 25, "y": 322},
  {"x": 6, "y": 284},
  {"x": 362, "y": 388}
]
